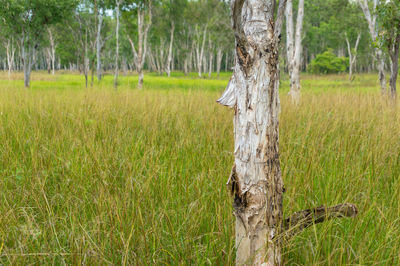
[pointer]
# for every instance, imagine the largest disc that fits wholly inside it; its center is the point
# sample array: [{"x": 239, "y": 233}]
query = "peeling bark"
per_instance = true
[{"x": 256, "y": 179}]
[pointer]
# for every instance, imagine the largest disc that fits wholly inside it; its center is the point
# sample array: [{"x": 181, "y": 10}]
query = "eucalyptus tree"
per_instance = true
[
  {"x": 140, "y": 11},
  {"x": 294, "y": 47},
  {"x": 117, "y": 15},
  {"x": 389, "y": 37},
  {"x": 29, "y": 20},
  {"x": 371, "y": 17},
  {"x": 256, "y": 178}
]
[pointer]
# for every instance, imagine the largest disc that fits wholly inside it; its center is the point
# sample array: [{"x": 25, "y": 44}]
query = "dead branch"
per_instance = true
[{"x": 301, "y": 220}]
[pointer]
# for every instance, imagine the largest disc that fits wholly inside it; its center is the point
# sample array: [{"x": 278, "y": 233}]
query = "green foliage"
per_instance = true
[
  {"x": 328, "y": 63},
  {"x": 33, "y": 16},
  {"x": 389, "y": 22}
]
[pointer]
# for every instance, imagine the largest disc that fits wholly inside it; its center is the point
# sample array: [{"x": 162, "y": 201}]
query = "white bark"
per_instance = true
[
  {"x": 118, "y": 3},
  {"x": 352, "y": 55},
  {"x": 10, "y": 56},
  {"x": 27, "y": 53},
  {"x": 219, "y": 59},
  {"x": 99, "y": 45},
  {"x": 373, "y": 29},
  {"x": 294, "y": 48},
  {"x": 394, "y": 66},
  {"x": 143, "y": 29},
  {"x": 211, "y": 58},
  {"x": 200, "y": 52},
  {"x": 256, "y": 179},
  {"x": 52, "y": 50},
  {"x": 171, "y": 41}
]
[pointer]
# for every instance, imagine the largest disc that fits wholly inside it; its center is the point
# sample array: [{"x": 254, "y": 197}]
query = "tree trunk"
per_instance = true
[
  {"x": 10, "y": 56},
  {"x": 294, "y": 48},
  {"x": 48, "y": 60},
  {"x": 52, "y": 50},
  {"x": 171, "y": 41},
  {"x": 27, "y": 58},
  {"x": 394, "y": 67},
  {"x": 352, "y": 58},
  {"x": 117, "y": 2},
  {"x": 226, "y": 62},
  {"x": 256, "y": 178},
  {"x": 374, "y": 36},
  {"x": 143, "y": 29},
  {"x": 211, "y": 58},
  {"x": 219, "y": 59},
  {"x": 98, "y": 47},
  {"x": 200, "y": 52}
]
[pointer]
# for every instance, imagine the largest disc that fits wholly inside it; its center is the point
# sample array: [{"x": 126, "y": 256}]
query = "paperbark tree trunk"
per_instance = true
[
  {"x": 99, "y": 47},
  {"x": 352, "y": 56},
  {"x": 52, "y": 51},
  {"x": 27, "y": 52},
  {"x": 48, "y": 60},
  {"x": 394, "y": 66},
  {"x": 171, "y": 41},
  {"x": 118, "y": 3},
  {"x": 256, "y": 178},
  {"x": 211, "y": 58},
  {"x": 143, "y": 29},
  {"x": 10, "y": 56},
  {"x": 294, "y": 48},
  {"x": 219, "y": 59},
  {"x": 372, "y": 25},
  {"x": 200, "y": 52}
]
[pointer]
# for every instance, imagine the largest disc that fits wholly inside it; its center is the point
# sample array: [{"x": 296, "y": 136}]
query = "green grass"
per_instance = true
[{"x": 97, "y": 176}]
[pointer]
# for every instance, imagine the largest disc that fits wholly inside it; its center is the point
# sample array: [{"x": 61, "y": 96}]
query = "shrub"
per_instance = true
[{"x": 327, "y": 63}]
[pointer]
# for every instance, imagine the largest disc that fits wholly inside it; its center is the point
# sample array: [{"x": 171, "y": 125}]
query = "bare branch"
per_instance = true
[{"x": 299, "y": 221}]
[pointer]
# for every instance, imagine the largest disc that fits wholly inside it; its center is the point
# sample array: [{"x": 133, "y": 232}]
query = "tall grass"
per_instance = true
[{"x": 97, "y": 176}]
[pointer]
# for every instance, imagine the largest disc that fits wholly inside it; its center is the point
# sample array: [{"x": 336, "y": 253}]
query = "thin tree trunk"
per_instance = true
[
  {"x": 226, "y": 62},
  {"x": 48, "y": 60},
  {"x": 219, "y": 59},
  {"x": 352, "y": 58},
  {"x": 52, "y": 50},
  {"x": 98, "y": 47},
  {"x": 294, "y": 48},
  {"x": 26, "y": 58},
  {"x": 394, "y": 66},
  {"x": 117, "y": 2},
  {"x": 171, "y": 41},
  {"x": 201, "y": 52},
  {"x": 372, "y": 25},
  {"x": 10, "y": 56}
]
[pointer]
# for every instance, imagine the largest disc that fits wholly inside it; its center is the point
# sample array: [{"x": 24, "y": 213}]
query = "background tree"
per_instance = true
[
  {"x": 29, "y": 20},
  {"x": 142, "y": 12},
  {"x": 371, "y": 17},
  {"x": 389, "y": 37},
  {"x": 294, "y": 47}
]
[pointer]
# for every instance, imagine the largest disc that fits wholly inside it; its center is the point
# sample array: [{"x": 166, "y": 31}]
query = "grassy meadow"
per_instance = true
[{"x": 137, "y": 177}]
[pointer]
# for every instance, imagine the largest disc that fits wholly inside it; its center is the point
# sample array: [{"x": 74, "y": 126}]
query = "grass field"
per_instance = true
[{"x": 137, "y": 177}]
